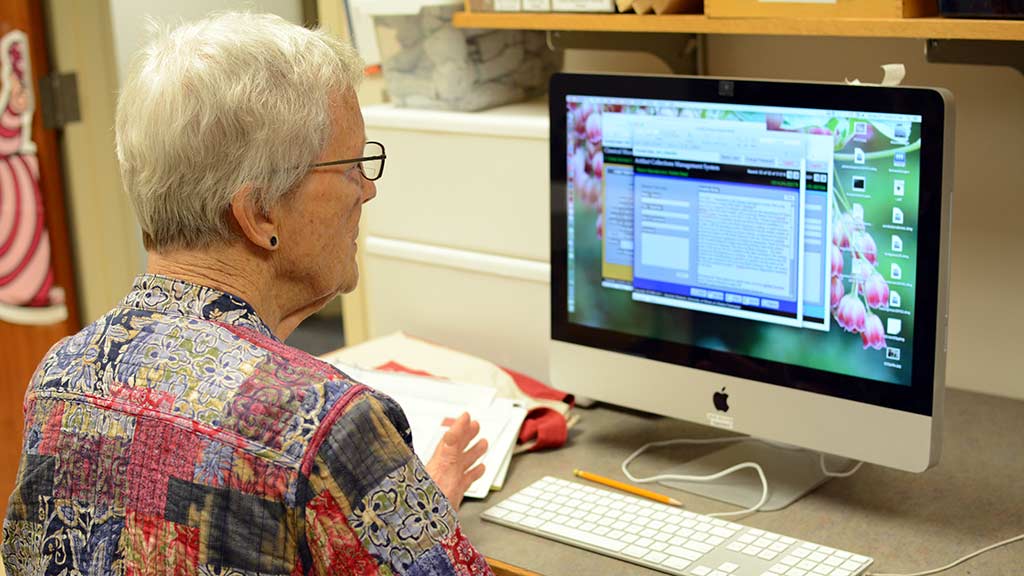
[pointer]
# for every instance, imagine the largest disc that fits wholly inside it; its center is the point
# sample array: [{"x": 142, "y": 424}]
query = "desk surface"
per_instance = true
[{"x": 907, "y": 522}]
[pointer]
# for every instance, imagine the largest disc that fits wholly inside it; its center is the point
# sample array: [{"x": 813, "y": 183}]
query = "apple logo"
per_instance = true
[{"x": 721, "y": 400}]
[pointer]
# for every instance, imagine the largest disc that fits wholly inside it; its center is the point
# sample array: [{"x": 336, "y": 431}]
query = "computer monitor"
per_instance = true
[{"x": 769, "y": 258}]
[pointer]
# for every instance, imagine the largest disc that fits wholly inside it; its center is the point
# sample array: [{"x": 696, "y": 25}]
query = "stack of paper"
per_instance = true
[{"x": 429, "y": 402}]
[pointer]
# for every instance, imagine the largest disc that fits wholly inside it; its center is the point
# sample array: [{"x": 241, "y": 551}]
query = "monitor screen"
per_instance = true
[{"x": 775, "y": 235}]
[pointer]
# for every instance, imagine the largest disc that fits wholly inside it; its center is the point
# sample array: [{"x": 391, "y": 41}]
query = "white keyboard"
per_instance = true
[{"x": 663, "y": 537}]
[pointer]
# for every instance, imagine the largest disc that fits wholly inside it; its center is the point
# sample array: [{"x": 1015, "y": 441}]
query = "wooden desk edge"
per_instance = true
[{"x": 502, "y": 569}]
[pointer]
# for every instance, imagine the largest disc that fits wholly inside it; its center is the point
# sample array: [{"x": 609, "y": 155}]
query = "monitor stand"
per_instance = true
[{"x": 791, "y": 473}]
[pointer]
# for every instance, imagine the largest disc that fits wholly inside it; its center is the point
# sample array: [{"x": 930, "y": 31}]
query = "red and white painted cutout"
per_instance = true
[{"x": 27, "y": 291}]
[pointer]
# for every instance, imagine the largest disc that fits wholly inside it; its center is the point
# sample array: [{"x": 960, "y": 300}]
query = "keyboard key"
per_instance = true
[
  {"x": 701, "y": 571},
  {"x": 514, "y": 506},
  {"x": 662, "y": 537},
  {"x": 497, "y": 513},
  {"x": 736, "y": 546},
  {"x": 756, "y": 532},
  {"x": 648, "y": 532},
  {"x": 659, "y": 546},
  {"x": 779, "y": 568},
  {"x": 850, "y": 565},
  {"x": 657, "y": 525},
  {"x": 763, "y": 542},
  {"x": 806, "y": 565},
  {"x": 514, "y": 517},
  {"x": 790, "y": 560},
  {"x": 656, "y": 557},
  {"x": 717, "y": 573},
  {"x": 822, "y": 569},
  {"x": 580, "y": 536},
  {"x": 859, "y": 558},
  {"x": 787, "y": 540},
  {"x": 714, "y": 540},
  {"x": 778, "y": 546},
  {"x": 703, "y": 527},
  {"x": 574, "y": 522},
  {"x": 635, "y": 551},
  {"x": 645, "y": 542},
  {"x": 722, "y": 532},
  {"x": 768, "y": 555},
  {"x": 699, "y": 537},
  {"x": 809, "y": 546},
  {"x": 801, "y": 552},
  {"x": 532, "y": 522},
  {"x": 698, "y": 547},
  {"x": 602, "y": 530},
  {"x": 676, "y": 563},
  {"x": 827, "y": 550},
  {"x": 677, "y": 541},
  {"x": 796, "y": 572},
  {"x": 752, "y": 550},
  {"x": 616, "y": 534},
  {"x": 841, "y": 572},
  {"x": 833, "y": 561},
  {"x": 728, "y": 567},
  {"x": 629, "y": 538},
  {"x": 690, "y": 555}
]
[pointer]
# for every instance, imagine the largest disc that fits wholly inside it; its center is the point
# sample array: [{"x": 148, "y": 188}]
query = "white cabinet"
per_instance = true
[{"x": 456, "y": 244}]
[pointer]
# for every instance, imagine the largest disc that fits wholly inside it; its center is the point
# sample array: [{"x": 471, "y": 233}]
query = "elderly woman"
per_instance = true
[{"x": 178, "y": 434}]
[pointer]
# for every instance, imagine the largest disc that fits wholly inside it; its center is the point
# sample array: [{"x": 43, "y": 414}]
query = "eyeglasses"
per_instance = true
[{"x": 371, "y": 165}]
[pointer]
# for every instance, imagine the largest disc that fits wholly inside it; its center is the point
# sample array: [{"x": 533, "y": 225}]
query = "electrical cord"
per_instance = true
[
  {"x": 764, "y": 490},
  {"x": 708, "y": 478},
  {"x": 846, "y": 474},
  {"x": 955, "y": 562}
]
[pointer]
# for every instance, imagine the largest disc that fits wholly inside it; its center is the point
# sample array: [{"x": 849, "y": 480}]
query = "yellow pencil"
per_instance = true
[{"x": 627, "y": 488}]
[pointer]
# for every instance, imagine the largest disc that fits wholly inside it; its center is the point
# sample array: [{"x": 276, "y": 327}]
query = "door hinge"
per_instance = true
[{"x": 58, "y": 100}]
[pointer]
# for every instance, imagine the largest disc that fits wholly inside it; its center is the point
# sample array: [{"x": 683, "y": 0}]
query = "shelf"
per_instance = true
[{"x": 931, "y": 28}]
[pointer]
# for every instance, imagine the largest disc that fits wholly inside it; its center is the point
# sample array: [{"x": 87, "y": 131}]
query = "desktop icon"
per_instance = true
[
  {"x": 892, "y": 354},
  {"x": 893, "y": 326},
  {"x": 721, "y": 400},
  {"x": 858, "y": 156},
  {"x": 899, "y": 159},
  {"x": 897, "y": 215},
  {"x": 901, "y": 132},
  {"x": 895, "y": 301},
  {"x": 897, "y": 243},
  {"x": 860, "y": 128},
  {"x": 895, "y": 272},
  {"x": 859, "y": 184},
  {"x": 897, "y": 187}
]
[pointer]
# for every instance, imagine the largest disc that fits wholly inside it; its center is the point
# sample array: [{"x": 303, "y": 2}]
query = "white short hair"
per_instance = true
[{"x": 214, "y": 105}]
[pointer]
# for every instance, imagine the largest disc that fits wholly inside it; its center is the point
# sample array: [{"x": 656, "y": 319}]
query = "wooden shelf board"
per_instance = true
[{"x": 937, "y": 28}]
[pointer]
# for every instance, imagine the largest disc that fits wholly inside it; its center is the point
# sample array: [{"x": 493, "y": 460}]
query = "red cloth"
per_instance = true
[{"x": 544, "y": 425}]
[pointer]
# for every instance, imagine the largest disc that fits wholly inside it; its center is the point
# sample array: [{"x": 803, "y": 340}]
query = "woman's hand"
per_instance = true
[{"x": 450, "y": 464}]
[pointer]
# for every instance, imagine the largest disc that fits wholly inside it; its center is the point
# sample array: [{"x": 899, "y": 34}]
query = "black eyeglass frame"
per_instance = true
[{"x": 382, "y": 157}]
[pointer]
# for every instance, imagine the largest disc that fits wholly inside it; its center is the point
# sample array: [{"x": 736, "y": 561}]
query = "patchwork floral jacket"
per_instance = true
[{"x": 177, "y": 435}]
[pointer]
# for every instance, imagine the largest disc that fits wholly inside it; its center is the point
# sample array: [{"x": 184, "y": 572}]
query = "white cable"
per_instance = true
[
  {"x": 708, "y": 478},
  {"x": 956, "y": 562},
  {"x": 846, "y": 474}
]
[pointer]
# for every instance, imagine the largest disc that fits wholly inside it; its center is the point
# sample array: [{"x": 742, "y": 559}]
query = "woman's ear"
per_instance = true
[{"x": 258, "y": 226}]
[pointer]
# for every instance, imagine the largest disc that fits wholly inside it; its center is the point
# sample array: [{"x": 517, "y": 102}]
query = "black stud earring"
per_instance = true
[{"x": 273, "y": 241}]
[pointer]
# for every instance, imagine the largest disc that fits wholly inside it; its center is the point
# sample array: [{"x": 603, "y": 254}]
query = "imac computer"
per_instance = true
[{"x": 769, "y": 258}]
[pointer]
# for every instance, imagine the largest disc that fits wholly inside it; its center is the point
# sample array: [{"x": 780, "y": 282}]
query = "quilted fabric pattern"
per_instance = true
[{"x": 177, "y": 435}]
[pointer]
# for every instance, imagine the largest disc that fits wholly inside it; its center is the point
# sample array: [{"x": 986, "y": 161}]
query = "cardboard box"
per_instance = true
[{"x": 818, "y": 9}]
